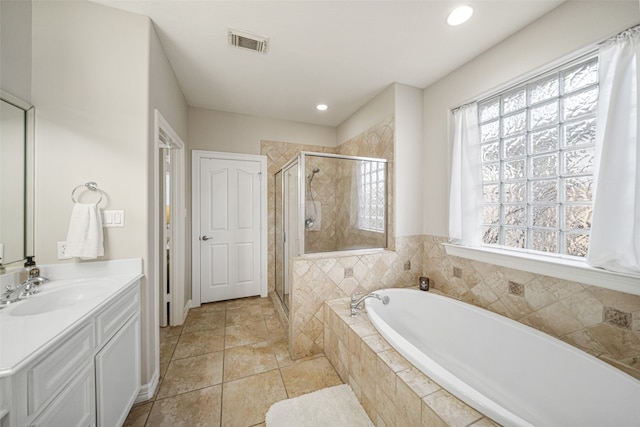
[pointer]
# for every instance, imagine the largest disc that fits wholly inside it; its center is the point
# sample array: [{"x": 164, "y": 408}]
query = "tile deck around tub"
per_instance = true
[{"x": 391, "y": 390}]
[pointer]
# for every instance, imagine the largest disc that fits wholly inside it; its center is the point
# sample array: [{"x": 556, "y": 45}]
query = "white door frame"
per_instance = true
[
  {"x": 165, "y": 136},
  {"x": 195, "y": 212}
]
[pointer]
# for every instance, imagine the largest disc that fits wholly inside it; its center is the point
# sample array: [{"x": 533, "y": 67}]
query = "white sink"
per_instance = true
[{"x": 58, "y": 298}]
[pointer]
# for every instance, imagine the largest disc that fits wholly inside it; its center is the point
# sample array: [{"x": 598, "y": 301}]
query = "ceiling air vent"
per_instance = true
[{"x": 247, "y": 40}]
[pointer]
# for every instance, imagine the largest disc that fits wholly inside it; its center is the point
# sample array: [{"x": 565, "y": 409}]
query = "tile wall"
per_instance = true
[
  {"x": 599, "y": 321},
  {"x": 278, "y": 154},
  {"x": 378, "y": 142},
  {"x": 374, "y": 142},
  {"x": 602, "y": 322},
  {"x": 305, "y": 312},
  {"x": 324, "y": 188},
  {"x": 319, "y": 277}
]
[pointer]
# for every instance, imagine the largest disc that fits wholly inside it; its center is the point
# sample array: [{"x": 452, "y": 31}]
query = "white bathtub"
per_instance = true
[{"x": 508, "y": 371}]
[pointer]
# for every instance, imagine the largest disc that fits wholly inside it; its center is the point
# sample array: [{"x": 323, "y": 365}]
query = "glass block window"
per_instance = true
[
  {"x": 538, "y": 159},
  {"x": 371, "y": 200}
]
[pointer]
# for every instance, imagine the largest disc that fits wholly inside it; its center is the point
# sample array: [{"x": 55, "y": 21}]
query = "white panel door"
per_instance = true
[{"x": 229, "y": 229}]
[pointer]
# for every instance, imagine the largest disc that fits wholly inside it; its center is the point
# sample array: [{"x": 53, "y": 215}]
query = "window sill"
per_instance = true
[{"x": 574, "y": 270}]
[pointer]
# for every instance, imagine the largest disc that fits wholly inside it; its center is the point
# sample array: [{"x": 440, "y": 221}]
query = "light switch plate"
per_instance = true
[{"x": 113, "y": 218}]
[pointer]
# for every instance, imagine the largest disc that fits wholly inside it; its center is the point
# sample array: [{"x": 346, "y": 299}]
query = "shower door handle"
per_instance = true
[{"x": 205, "y": 238}]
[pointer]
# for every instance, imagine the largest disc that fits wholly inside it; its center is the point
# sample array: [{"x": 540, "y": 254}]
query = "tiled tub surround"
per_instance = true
[
  {"x": 600, "y": 321},
  {"x": 319, "y": 277},
  {"x": 391, "y": 390},
  {"x": 508, "y": 371}
]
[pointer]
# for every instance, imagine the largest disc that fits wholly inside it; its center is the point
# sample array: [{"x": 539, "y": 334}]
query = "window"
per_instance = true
[
  {"x": 537, "y": 162},
  {"x": 371, "y": 201}
]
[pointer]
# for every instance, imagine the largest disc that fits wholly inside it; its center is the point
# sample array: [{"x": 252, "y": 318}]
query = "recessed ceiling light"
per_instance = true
[
  {"x": 460, "y": 15},
  {"x": 321, "y": 107}
]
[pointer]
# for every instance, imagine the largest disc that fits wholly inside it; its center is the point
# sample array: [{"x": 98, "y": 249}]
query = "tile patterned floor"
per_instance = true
[{"x": 226, "y": 366}]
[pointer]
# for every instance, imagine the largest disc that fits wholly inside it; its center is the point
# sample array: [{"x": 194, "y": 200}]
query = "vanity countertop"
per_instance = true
[{"x": 75, "y": 291}]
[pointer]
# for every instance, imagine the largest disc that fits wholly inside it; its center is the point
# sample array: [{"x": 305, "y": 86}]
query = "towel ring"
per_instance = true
[{"x": 90, "y": 186}]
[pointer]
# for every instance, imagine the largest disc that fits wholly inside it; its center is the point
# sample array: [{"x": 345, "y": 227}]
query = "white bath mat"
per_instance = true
[{"x": 330, "y": 407}]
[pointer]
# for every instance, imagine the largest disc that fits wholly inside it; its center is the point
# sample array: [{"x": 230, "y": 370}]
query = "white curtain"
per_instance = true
[
  {"x": 615, "y": 230},
  {"x": 465, "y": 197}
]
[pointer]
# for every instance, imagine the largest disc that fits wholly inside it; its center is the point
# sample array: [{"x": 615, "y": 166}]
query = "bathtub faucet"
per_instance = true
[{"x": 356, "y": 301}]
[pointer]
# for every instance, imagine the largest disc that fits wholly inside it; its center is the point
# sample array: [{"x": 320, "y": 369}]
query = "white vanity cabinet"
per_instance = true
[
  {"x": 117, "y": 364},
  {"x": 88, "y": 376}
]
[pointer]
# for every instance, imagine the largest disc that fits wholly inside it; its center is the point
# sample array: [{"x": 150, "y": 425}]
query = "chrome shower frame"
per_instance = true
[
  {"x": 302, "y": 189},
  {"x": 293, "y": 234}
]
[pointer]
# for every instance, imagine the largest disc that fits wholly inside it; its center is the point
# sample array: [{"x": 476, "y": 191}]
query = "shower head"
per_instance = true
[{"x": 311, "y": 175}]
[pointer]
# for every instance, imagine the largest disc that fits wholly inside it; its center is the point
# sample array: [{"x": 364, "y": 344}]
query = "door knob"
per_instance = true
[{"x": 205, "y": 237}]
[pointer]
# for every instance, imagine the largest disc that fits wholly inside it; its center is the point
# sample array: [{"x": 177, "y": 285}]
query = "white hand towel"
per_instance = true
[{"x": 84, "y": 238}]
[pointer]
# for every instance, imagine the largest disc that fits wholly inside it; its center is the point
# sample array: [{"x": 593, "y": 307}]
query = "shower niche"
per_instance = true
[{"x": 327, "y": 203}]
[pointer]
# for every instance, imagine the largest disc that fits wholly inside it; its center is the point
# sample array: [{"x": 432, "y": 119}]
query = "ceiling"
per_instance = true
[{"x": 341, "y": 53}]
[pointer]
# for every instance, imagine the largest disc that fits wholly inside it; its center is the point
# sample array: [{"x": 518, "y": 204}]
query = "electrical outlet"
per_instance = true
[{"x": 62, "y": 246}]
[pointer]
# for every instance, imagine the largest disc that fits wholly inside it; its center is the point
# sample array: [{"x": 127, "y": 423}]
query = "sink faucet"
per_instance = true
[
  {"x": 27, "y": 288},
  {"x": 356, "y": 301}
]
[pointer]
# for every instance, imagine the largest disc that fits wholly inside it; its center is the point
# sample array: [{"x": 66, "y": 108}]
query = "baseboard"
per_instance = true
[
  {"x": 185, "y": 311},
  {"x": 148, "y": 390}
]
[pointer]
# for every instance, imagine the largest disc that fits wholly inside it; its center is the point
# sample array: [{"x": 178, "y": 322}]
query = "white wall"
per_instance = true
[
  {"x": 380, "y": 108},
  {"x": 408, "y": 160},
  {"x": 568, "y": 28},
  {"x": 15, "y": 48},
  {"x": 239, "y": 133},
  {"x": 91, "y": 89},
  {"x": 165, "y": 93},
  {"x": 404, "y": 103},
  {"x": 165, "y": 96}
]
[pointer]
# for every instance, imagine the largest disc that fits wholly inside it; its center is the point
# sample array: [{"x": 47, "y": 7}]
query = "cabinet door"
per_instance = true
[
  {"x": 74, "y": 406},
  {"x": 118, "y": 375},
  {"x": 51, "y": 373}
]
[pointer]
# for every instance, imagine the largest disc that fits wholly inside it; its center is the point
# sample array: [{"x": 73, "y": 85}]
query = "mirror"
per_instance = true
[{"x": 16, "y": 178}]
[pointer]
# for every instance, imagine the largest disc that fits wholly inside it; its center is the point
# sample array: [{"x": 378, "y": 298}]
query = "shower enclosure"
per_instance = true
[{"x": 327, "y": 203}]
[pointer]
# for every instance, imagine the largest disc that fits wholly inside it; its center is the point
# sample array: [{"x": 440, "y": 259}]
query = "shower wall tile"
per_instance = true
[
  {"x": 571, "y": 311},
  {"x": 324, "y": 188},
  {"x": 378, "y": 142}
]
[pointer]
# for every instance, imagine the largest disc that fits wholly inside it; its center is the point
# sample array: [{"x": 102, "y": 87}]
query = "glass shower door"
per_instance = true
[
  {"x": 287, "y": 240},
  {"x": 279, "y": 238},
  {"x": 291, "y": 192}
]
